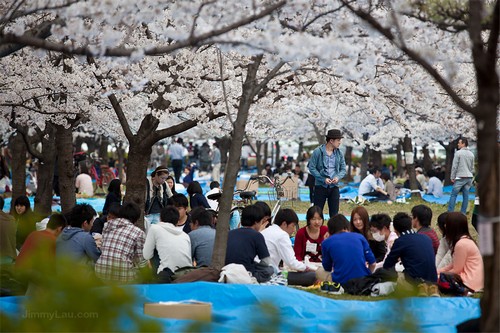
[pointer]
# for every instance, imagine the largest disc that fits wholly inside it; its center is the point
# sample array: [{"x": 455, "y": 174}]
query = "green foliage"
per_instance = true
[
  {"x": 69, "y": 299},
  {"x": 390, "y": 160}
]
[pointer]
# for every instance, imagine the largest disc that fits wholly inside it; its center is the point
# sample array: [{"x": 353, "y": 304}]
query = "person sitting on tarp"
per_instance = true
[
  {"x": 373, "y": 186},
  {"x": 278, "y": 241},
  {"x": 380, "y": 226},
  {"x": 244, "y": 243},
  {"x": 415, "y": 252},
  {"x": 435, "y": 186},
  {"x": 173, "y": 244},
  {"x": 121, "y": 259},
  {"x": 345, "y": 253}
]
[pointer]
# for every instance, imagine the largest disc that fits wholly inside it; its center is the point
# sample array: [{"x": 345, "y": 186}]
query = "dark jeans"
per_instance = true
[
  {"x": 379, "y": 196},
  {"x": 177, "y": 166},
  {"x": 321, "y": 194}
]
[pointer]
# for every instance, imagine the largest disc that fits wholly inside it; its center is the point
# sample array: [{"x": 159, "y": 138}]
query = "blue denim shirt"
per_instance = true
[{"x": 319, "y": 169}]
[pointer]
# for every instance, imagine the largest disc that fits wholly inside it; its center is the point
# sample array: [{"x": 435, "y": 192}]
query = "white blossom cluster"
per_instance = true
[{"x": 339, "y": 72}]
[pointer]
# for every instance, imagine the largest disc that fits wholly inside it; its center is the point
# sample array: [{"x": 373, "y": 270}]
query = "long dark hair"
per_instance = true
[
  {"x": 310, "y": 214},
  {"x": 114, "y": 187},
  {"x": 456, "y": 228},
  {"x": 193, "y": 188},
  {"x": 173, "y": 188},
  {"x": 363, "y": 214}
]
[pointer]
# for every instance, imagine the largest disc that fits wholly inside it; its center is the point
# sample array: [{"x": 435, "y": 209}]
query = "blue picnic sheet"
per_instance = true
[{"x": 239, "y": 308}]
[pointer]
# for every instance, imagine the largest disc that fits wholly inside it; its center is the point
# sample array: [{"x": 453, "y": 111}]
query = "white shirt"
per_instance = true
[
  {"x": 435, "y": 187},
  {"x": 173, "y": 246},
  {"x": 84, "y": 185},
  {"x": 369, "y": 184},
  {"x": 280, "y": 248}
]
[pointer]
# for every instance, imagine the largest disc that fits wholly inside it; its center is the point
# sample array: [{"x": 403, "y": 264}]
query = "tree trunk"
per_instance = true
[
  {"x": 137, "y": 167},
  {"x": 486, "y": 114},
  {"x": 450, "y": 154},
  {"x": 120, "y": 152},
  {"x": 399, "y": 159},
  {"x": 91, "y": 144},
  {"x": 266, "y": 152},
  {"x": 348, "y": 162},
  {"x": 427, "y": 164},
  {"x": 489, "y": 180},
  {"x": 64, "y": 146},
  {"x": 78, "y": 143},
  {"x": 410, "y": 166},
  {"x": 43, "y": 198},
  {"x": 103, "y": 150},
  {"x": 248, "y": 93},
  {"x": 365, "y": 157},
  {"x": 224, "y": 144},
  {"x": 18, "y": 165},
  {"x": 376, "y": 157},
  {"x": 277, "y": 152},
  {"x": 299, "y": 152},
  {"x": 258, "y": 157}
]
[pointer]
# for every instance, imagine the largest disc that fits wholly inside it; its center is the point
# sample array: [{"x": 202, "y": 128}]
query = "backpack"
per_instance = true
[{"x": 452, "y": 284}]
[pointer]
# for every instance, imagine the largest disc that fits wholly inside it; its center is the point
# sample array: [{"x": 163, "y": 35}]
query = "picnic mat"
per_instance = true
[{"x": 239, "y": 308}]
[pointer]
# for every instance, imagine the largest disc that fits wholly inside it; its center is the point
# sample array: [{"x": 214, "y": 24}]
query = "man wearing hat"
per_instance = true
[{"x": 327, "y": 165}]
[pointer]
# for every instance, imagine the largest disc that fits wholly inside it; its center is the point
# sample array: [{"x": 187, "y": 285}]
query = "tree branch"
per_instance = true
[
  {"x": 386, "y": 32},
  {"x": 27, "y": 40},
  {"x": 116, "y": 105}
]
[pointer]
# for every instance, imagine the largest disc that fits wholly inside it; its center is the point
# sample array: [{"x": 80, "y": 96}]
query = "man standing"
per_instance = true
[
  {"x": 216, "y": 161},
  {"x": 327, "y": 165},
  {"x": 176, "y": 156},
  {"x": 461, "y": 175}
]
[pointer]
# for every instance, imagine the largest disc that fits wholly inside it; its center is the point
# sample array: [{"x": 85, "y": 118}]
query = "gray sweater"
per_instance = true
[{"x": 463, "y": 164}]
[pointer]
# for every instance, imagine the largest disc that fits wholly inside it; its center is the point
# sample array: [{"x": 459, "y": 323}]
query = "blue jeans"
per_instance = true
[
  {"x": 322, "y": 194},
  {"x": 461, "y": 185}
]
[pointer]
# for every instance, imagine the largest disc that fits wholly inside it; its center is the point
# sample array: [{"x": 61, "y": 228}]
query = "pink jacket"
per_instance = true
[{"x": 468, "y": 263}]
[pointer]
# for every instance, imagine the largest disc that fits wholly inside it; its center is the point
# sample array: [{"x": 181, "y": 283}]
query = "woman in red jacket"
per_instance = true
[{"x": 309, "y": 238}]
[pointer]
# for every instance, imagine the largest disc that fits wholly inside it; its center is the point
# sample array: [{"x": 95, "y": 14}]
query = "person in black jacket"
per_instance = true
[
  {"x": 415, "y": 250},
  {"x": 114, "y": 195}
]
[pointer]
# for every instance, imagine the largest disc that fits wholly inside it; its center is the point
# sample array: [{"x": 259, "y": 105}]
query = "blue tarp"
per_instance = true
[{"x": 239, "y": 308}]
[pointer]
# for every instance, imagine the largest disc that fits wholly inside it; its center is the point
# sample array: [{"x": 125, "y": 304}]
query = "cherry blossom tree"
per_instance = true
[{"x": 481, "y": 26}]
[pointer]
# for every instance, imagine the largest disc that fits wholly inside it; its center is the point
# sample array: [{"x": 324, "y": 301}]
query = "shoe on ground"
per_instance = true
[
  {"x": 423, "y": 290},
  {"x": 335, "y": 288},
  {"x": 325, "y": 286},
  {"x": 433, "y": 291}
]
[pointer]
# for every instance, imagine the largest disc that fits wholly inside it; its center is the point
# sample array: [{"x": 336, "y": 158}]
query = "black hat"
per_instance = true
[{"x": 334, "y": 134}]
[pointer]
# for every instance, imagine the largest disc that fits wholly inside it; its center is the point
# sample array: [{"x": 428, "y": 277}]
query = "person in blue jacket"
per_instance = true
[
  {"x": 327, "y": 165},
  {"x": 75, "y": 240}
]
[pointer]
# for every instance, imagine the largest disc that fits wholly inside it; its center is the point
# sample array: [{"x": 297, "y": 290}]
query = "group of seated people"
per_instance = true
[
  {"x": 378, "y": 184},
  {"x": 118, "y": 250}
]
